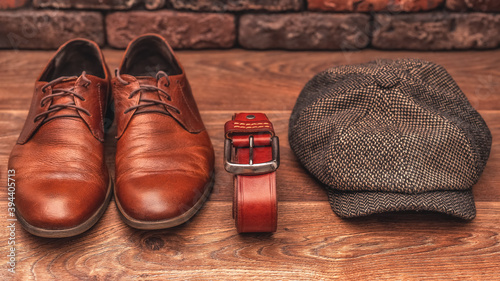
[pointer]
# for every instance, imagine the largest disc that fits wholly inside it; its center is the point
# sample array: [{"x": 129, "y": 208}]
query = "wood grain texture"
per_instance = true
[{"x": 311, "y": 243}]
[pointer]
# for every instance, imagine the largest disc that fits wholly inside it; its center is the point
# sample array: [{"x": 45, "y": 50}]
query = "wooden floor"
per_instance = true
[{"x": 311, "y": 241}]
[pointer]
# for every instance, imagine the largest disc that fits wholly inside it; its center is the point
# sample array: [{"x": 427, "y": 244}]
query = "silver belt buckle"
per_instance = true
[{"x": 251, "y": 168}]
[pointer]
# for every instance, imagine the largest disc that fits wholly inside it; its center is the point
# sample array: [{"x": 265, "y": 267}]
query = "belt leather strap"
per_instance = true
[{"x": 255, "y": 202}]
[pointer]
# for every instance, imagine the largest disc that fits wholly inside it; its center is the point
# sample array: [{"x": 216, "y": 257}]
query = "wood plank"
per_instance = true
[
  {"x": 294, "y": 183},
  {"x": 253, "y": 80},
  {"x": 311, "y": 243}
]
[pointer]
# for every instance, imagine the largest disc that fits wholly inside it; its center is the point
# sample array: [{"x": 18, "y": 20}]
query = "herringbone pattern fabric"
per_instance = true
[
  {"x": 455, "y": 203},
  {"x": 390, "y": 136}
]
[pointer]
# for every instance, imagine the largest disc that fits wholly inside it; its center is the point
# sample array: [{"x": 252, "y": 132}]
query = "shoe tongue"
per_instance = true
[
  {"x": 146, "y": 81},
  {"x": 151, "y": 95},
  {"x": 66, "y": 84}
]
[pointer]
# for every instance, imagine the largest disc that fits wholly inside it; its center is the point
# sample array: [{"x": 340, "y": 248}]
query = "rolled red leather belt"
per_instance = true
[{"x": 253, "y": 163}]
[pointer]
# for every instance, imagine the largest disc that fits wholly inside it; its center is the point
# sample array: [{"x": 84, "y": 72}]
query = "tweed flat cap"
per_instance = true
[{"x": 390, "y": 135}]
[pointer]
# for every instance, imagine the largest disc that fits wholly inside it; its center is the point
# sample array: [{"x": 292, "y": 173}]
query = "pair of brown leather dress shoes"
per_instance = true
[{"x": 164, "y": 157}]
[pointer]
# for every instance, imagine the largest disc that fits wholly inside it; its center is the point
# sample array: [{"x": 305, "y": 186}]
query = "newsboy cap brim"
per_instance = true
[{"x": 355, "y": 204}]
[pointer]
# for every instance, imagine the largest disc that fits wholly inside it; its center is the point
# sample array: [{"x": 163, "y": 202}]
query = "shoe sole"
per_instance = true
[
  {"x": 73, "y": 231},
  {"x": 168, "y": 223}
]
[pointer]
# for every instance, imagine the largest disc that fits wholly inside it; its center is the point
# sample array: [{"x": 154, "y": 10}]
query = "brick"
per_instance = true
[
  {"x": 182, "y": 29},
  {"x": 86, "y": 4},
  {"x": 304, "y": 31},
  {"x": 238, "y": 5},
  {"x": 374, "y": 5},
  {"x": 48, "y": 29},
  {"x": 473, "y": 5},
  {"x": 436, "y": 31},
  {"x": 12, "y": 4},
  {"x": 154, "y": 4}
]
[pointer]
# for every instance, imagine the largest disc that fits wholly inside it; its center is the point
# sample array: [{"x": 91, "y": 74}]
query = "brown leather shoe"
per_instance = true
[
  {"x": 164, "y": 157},
  {"x": 62, "y": 182}
]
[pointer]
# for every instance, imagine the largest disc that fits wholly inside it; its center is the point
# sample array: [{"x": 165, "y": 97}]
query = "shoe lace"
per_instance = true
[
  {"x": 58, "y": 93},
  {"x": 148, "y": 102}
]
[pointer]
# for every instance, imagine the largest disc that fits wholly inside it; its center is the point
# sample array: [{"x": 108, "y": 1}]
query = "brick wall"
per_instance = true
[{"x": 256, "y": 24}]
